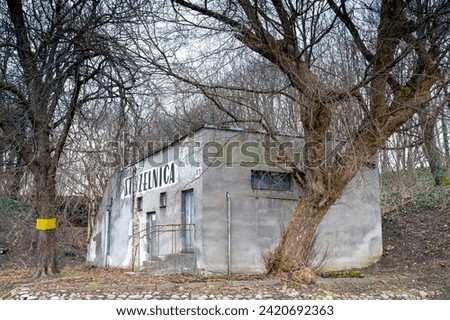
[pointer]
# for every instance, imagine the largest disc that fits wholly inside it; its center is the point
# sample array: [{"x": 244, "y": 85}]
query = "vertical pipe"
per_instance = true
[
  {"x": 229, "y": 232},
  {"x": 107, "y": 231}
]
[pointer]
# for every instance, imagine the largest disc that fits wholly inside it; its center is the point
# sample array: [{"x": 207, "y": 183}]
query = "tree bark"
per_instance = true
[
  {"x": 433, "y": 157},
  {"x": 46, "y": 243},
  {"x": 293, "y": 256},
  {"x": 432, "y": 152},
  {"x": 446, "y": 143}
]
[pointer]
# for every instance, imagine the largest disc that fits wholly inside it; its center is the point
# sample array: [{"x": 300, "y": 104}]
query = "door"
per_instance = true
[
  {"x": 151, "y": 235},
  {"x": 187, "y": 221}
]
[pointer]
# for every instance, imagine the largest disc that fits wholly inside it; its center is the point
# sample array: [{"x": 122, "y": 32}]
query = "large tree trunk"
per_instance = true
[
  {"x": 293, "y": 256},
  {"x": 46, "y": 242}
]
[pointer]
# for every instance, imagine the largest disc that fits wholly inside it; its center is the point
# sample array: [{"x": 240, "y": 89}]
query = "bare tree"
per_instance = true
[
  {"x": 56, "y": 57},
  {"x": 434, "y": 155},
  {"x": 12, "y": 170},
  {"x": 445, "y": 136},
  {"x": 299, "y": 37}
]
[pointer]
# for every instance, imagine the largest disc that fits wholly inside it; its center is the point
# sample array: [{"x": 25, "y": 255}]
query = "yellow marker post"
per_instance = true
[{"x": 46, "y": 224}]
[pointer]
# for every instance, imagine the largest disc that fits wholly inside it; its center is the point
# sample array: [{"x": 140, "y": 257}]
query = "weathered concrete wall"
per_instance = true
[
  {"x": 257, "y": 216},
  {"x": 349, "y": 236},
  {"x": 187, "y": 178},
  {"x": 121, "y": 216},
  {"x": 119, "y": 227},
  {"x": 182, "y": 263}
]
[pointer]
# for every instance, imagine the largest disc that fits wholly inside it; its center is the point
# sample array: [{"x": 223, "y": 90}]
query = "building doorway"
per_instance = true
[
  {"x": 187, "y": 220},
  {"x": 152, "y": 249}
]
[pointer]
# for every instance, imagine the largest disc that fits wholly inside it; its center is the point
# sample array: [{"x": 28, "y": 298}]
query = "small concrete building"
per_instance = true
[{"x": 217, "y": 200}]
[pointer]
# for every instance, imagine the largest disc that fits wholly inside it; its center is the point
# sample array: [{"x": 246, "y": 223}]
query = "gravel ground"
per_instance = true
[{"x": 268, "y": 289}]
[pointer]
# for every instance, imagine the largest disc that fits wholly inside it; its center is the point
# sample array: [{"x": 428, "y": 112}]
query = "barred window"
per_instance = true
[{"x": 269, "y": 180}]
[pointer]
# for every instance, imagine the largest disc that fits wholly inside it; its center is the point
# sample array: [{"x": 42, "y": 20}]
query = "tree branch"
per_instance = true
[
  {"x": 27, "y": 58},
  {"x": 345, "y": 18}
]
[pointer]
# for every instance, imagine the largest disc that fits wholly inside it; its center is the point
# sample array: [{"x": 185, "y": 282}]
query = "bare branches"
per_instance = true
[
  {"x": 57, "y": 58},
  {"x": 393, "y": 80},
  {"x": 13, "y": 134},
  {"x": 16, "y": 92},
  {"x": 287, "y": 22},
  {"x": 342, "y": 13},
  {"x": 23, "y": 42},
  {"x": 210, "y": 13},
  {"x": 70, "y": 50}
]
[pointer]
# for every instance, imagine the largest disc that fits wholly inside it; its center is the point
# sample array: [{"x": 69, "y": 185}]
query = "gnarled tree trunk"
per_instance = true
[{"x": 292, "y": 256}]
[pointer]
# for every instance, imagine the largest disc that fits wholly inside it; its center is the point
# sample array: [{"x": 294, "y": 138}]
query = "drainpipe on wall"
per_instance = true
[
  {"x": 106, "y": 244},
  {"x": 229, "y": 232}
]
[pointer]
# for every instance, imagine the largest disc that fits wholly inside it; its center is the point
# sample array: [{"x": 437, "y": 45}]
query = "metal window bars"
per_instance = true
[{"x": 169, "y": 239}]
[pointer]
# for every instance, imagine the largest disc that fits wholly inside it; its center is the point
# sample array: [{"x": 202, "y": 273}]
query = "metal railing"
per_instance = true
[{"x": 170, "y": 239}]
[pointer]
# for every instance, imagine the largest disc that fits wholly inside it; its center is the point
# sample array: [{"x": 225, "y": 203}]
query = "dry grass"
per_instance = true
[{"x": 87, "y": 278}]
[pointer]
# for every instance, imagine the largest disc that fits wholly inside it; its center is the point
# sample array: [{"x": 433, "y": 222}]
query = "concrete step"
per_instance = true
[{"x": 181, "y": 263}]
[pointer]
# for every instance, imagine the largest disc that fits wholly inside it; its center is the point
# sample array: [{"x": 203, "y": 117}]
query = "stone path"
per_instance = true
[{"x": 232, "y": 290}]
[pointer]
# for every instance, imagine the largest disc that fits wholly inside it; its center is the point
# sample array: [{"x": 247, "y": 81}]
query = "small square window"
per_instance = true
[{"x": 162, "y": 199}]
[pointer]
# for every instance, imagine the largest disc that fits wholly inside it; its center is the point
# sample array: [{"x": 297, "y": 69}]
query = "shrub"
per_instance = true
[
  {"x": 10, "y": 205},
  {"x": 411, "y": 190}
]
